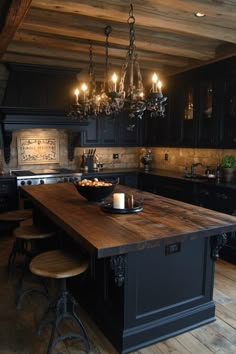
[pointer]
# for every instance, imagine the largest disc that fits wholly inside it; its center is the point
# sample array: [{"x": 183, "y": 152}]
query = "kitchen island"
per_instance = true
[{"x": 151, "y": 273}]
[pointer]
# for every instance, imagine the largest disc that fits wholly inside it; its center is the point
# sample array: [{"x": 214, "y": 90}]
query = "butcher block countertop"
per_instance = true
[{"x": 162, "y": 220}]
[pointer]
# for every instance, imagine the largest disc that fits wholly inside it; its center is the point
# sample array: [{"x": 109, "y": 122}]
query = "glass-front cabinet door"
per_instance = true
[
  {"x": 188, "y": 116},
  {"x": 228, "y": 120},
  {"x": 208, "y": 135}
]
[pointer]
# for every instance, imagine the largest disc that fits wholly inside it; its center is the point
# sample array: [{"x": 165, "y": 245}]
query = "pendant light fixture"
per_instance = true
[
  {"x": 86, "y": 101},
  {"x": 129, "y": 95}
]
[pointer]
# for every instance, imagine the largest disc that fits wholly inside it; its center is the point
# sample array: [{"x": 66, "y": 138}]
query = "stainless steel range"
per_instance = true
[{"x": 45, "y": 176}]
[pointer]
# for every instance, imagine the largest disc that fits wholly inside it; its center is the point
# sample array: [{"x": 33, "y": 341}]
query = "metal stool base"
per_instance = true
[{"x": 60, "y": 311}]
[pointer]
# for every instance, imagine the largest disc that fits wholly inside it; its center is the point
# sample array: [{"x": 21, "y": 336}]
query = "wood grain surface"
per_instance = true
[{"x": 162, "y": 220}]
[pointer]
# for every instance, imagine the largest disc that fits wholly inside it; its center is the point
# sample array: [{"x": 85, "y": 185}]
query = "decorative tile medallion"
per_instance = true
[{"x": 34, "y": 150}]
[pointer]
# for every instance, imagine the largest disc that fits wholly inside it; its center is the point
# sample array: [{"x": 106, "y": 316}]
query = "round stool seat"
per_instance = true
[
  {"x": 16, "y": 215},
  {"x": 30, "y": 232},
  {"x": 58, "y": 264}
]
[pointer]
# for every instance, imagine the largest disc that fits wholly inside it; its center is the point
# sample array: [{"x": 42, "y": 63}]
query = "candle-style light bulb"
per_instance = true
[
  {"x": 114, "y": 80},
  {"x": 159, "y": 85},
  {"x": 141, "y": 95},
  {"x": 76, "y": 95},
  {"x": 154, "y": 82},
  {"x": 84, "y": 88}
]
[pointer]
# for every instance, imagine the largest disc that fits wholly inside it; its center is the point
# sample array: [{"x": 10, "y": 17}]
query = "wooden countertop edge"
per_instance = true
[{"x": 228, "y": 225}]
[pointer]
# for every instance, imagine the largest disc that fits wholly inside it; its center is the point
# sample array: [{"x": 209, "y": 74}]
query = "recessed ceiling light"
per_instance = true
[{"x": 200, "y": 14}]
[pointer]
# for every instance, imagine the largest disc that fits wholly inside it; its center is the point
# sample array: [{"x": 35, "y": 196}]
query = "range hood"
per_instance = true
[
  {"x": 13, "y": 119},
  {"x": 37, "y": 97}
]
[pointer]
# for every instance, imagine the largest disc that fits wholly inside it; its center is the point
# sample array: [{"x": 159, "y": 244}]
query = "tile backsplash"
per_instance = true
[{"x": 167, "y": 158}]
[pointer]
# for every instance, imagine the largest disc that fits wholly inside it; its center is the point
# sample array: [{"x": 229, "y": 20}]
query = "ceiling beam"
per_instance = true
[
  {"x": 11, "y": 16},
  {"x": 148, "y": 41},
  {"x": 158, "y": 13}
]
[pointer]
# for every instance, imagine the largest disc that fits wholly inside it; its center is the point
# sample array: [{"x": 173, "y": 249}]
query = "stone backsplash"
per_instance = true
[{"x": 128, "y": 157}]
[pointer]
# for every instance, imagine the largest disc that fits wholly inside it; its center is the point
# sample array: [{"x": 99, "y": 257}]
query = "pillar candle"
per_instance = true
[{"x": 119, "y": 200}]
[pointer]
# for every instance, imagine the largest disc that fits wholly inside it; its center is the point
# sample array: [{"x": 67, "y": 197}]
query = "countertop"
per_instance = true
[
  {"x": 163, "y": 173},
  {"x": 155, "y": 172},
  {"x": 161, "y": 221}
]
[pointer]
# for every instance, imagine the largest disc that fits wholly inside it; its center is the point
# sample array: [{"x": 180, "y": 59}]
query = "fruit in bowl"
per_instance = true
[{"x": 95, "y": 190}]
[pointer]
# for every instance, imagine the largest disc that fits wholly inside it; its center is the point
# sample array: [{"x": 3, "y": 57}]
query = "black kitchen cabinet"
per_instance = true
[
  {"x": 155, "y": 130},
  {"x": 129, "y": 130},
  {"x": 228, "y": 113},
  {"x": 183, "y": 113},
  {"x": 208, "y": 195},
  {"x": 90, "y": 134},
  {"x": 168, "y": 187},
  {"x": 221, "y": 199},
  {"x": 8, "y": 194},
  {"x": 148, "y": 182},
  {"x": 108, "y": 130},
  {"x": 189, "y": 116},
  {"x": 129, "y": 179},
  {"x": 117, "y": 130},
  {"x": 208, "y": 114}
]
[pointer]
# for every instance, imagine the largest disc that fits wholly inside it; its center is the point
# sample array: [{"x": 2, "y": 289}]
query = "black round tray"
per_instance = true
[{"x": 108, "y": 207}]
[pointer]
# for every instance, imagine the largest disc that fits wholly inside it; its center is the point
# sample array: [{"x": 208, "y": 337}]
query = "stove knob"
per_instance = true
[
  {"x": 22, "y": 183},
  {"x": 29, "y": 182},
  {"x": 41, "y": 181}
]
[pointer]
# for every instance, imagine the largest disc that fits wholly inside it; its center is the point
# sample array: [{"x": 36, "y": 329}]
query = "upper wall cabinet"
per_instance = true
[
  {"x": 208, "y": 114},
  {"x": 117, "y": 130},
  {"x": 189, "y": 115},
  {"x": 183, "y": 114},
  {"x": 155, "y": 130},
  {"x": 228, "y": 113}
]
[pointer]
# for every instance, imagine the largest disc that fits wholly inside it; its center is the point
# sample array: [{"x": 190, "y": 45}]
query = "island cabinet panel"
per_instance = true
[
  {"x": 157, "y": 297},
  {"x": 151, "y": 273}
]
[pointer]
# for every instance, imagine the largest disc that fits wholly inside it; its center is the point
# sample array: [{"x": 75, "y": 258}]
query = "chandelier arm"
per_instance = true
[
  {"x": 91, "y": 70},
  {"x": 123, "y": 74},
  {"x": 107, "y": 32},
  {"x": 140, "y": 79}
]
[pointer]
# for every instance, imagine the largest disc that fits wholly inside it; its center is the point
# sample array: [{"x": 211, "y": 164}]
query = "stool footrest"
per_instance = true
[{"x": 61, "y": 312}]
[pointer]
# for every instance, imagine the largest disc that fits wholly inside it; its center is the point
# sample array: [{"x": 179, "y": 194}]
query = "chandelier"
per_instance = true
[
  {"x": 86, "y": 101},
  {"x": 123, "y": 96},
  {"x": 132, "y": 99}
]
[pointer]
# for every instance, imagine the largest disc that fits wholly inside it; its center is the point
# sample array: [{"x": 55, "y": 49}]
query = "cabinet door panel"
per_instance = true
[
  {"x": 208, "y": 130},
  {"x": 108, "y": 131},
  {"x": 90, "y": 136},
  {"x": 228, "y": 119}
]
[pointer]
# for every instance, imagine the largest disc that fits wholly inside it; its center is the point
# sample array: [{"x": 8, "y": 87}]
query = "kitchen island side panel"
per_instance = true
[
  {"x": 161, "y": 295},
  {"x": 167, "y": 294}
]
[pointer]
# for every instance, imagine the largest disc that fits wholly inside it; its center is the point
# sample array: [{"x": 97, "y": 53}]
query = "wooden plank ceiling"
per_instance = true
[{"x": 169, "y": 37}]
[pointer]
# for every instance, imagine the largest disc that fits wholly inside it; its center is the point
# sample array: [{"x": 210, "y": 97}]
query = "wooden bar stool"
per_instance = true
[
  {"x": 16, "y": 215},
  {"x": 9, "y": 220},
  {"x": 24, "y": 242},
  {"x": 27, "y": 244},
  {"x": 60, "y": 265}
]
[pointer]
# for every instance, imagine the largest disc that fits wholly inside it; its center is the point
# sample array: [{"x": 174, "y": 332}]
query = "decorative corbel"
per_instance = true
[
  {"x": 119, "y": 266},
  {"x": 7, "y": 139},
  {"x": 73, "y": 141},
  {"x": 217, "y": 243}
]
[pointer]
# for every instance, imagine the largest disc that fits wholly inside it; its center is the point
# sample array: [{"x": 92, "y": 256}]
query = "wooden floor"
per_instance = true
[{"x": 17, "y": 327}]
